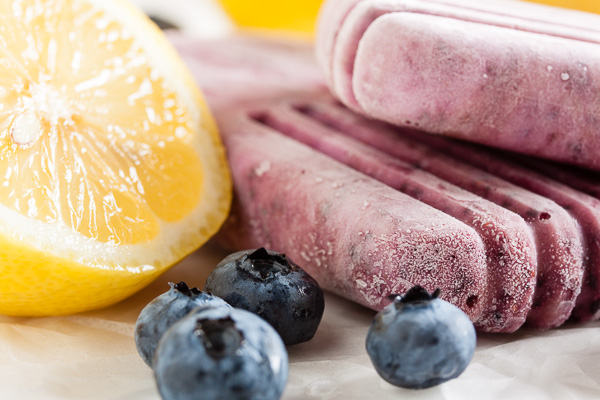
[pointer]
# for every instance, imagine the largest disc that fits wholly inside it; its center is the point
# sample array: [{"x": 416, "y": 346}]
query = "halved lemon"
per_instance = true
[{"x": 111, "y": 167}]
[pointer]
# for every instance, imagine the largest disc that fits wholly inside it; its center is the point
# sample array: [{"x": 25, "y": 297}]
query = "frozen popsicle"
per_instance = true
[{"x": 508, "y": 74}]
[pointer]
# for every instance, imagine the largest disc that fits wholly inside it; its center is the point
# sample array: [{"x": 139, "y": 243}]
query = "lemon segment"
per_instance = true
[{"x": 112, "y": 167}]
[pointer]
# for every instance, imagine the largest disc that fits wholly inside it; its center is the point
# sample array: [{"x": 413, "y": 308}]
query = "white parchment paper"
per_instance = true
[{"x": 93, "y": 356}]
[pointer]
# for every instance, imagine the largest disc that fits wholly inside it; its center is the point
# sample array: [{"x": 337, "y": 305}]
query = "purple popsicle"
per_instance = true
[{"x": 513, "y": 75}]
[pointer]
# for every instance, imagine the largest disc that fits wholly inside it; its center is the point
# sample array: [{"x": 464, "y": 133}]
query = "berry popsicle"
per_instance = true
[{"x": 512, "y": 75}]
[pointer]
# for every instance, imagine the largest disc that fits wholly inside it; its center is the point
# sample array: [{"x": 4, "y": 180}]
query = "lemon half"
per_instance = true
[{"x": 111, "y": 167}]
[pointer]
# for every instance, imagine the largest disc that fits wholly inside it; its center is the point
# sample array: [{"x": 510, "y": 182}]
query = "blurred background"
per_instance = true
[{"x": 217, "y": 17}]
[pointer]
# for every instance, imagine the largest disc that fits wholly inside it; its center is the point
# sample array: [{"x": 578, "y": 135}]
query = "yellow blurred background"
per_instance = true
[
  {"x": 582, "y": 5},
  {"x": 295, "y": 15},
  {"x": 300, "y": 15}
]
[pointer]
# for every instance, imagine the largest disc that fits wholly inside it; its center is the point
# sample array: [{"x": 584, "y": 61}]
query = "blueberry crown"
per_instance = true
[
  {"x": 262, "y": 264},
  {"x": 184, "y": 289},
  {"x": 416, "y": 294}
]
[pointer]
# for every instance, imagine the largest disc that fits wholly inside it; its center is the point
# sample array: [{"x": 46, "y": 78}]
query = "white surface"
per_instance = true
[{"x": 92, "y": 356}]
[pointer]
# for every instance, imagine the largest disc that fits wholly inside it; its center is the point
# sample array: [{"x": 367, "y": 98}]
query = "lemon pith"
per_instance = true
[{"x": 112, "y": 167}]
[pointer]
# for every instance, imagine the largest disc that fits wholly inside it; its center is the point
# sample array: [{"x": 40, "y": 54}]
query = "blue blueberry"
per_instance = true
[
  {"x": 164, "y": 311},
  {"x": 221, "y": 353},
  {"x": 272, "y": 286},
  {"x": 420, "y": 341}
]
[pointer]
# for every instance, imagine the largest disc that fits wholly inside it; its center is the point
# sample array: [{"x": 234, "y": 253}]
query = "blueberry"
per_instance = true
[
  {"x": 164, "y": 311},
  {"x": 221, "y": 353},
  {"x": 272, "y": 286},
  {"x": 420, "y": 341}
]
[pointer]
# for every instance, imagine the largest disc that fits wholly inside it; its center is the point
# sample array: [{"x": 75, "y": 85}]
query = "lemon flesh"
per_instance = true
[{"x": 111, "y": 168}]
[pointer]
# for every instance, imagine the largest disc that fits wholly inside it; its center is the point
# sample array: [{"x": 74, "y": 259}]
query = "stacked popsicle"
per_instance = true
[{"x": 513, "y": 75}]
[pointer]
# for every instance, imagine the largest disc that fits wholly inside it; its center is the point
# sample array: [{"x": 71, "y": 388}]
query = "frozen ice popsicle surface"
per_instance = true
[
  {"x": 518, "y": 76},
  {"x": 370, "y": 209}
]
